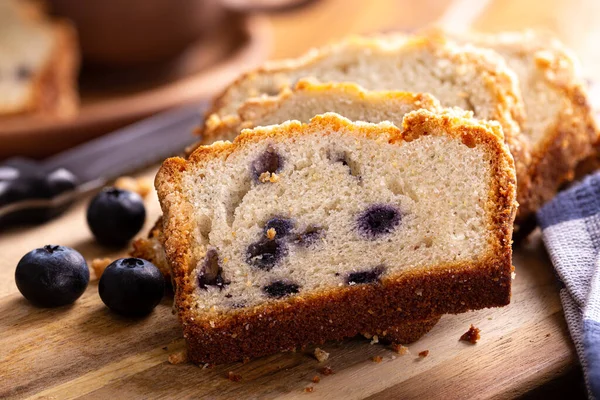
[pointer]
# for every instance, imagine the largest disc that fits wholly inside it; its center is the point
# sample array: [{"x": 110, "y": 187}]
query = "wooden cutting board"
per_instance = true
[{"x": 84, "y": 350}]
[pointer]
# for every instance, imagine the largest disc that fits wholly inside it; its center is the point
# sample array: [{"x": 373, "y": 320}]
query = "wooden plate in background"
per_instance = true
[{"x": 111, "y": 99}]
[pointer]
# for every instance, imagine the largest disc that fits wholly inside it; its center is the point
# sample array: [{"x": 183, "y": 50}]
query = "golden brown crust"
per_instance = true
[
  {"x": 151, "y": 248},
  {"x": 572, "y": 133},
  {"x": 568, "y": 143},
  {"x": 345, "y": 311}
]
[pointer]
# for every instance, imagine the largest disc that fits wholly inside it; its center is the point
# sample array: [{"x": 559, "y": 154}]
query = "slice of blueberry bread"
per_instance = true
[
  {"x": 559, "y": 127},
  {"x": 464, "y": 76},
  {"x": 39, "y": 61},
  {"x": 300, "y": 233},
  {"x": 306, "y": 100},
  {"x": 309, "y": 98}
]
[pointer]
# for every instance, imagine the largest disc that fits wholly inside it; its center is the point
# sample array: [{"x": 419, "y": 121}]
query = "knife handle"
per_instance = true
[{"x": 30, "y": 194}]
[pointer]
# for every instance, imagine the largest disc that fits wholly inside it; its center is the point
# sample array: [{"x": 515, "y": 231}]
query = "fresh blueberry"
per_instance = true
[
  {"x": 131, "y": 286},
  {"x": 378, "y": 220},
  {"x": 52, "y": 276},
  {"x": 366, "y": 276},
  {"x": 211, "y": 272},
  {"x": 265, "y": 254},
  {"x": 268, "y": 161},
  {"x": 309, "y": 237},
  {"x": 115, "y": 216},
  {"x": 282, "y": 226},
  {"x": 279, "y": 289}
]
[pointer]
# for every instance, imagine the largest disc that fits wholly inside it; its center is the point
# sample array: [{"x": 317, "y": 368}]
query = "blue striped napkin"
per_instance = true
[{"x": 571, "y": 231}]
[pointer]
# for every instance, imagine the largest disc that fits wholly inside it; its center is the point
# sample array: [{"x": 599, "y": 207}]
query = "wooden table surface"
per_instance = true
[{"x": 85, "y": 351}]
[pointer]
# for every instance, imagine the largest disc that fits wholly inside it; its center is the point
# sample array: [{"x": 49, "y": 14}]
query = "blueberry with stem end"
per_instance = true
[
  {"x": 131, "y": 286},
  {"x": 115, "y": 216},
  {"x": 52, "y": 276}
]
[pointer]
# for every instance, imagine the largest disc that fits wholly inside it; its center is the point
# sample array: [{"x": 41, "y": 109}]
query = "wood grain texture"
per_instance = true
[{"x": 85, "y": 351}]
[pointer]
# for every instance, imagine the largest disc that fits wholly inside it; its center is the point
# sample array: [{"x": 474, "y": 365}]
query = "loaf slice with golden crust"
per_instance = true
[
  {"x": 300, "y": 233},
  {"x": 309, "y": 98},
  {"x": 559, "y": 126},
  {"x": 39, "y": 63},
  {"x": 462, "y": 76},
  {"x": 306, "y": 100}
]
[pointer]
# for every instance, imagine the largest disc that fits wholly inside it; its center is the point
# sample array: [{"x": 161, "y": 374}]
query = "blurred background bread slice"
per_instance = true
[{"x": 39, "y": 63}]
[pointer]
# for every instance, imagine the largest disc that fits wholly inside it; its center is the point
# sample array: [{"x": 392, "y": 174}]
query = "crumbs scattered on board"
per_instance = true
[
  {"x": 321, "y": 355},
  {"x": 179, "y": 357},
  {"x": 472, "y": 335},
  {"x": 233, "y": 377},
  {"x": 400, "y": 349},
  {"x": 424, "y": 353},
  {"x": 326, "y": 371}
]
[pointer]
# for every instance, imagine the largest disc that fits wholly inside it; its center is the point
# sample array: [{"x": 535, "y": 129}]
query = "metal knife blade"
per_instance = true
[
  {"x": 32, "y": 191},
  {"x": 132, "y": 147}
]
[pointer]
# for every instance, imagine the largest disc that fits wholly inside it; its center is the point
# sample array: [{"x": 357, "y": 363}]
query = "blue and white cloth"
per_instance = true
[{"x": 571, "y": 231}]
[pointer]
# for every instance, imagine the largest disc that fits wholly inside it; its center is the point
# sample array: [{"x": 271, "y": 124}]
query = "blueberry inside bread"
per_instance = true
[{"x": 276, "y": 241}]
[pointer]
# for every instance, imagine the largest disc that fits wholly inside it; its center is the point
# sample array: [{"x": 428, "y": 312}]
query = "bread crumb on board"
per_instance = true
[
  {"x": 316, "y": 379},
  {"x": 321, "y": 355},
  {"x": 309, "y": 389},
  {"x": 99, "y": 265},
  {"x": 376, "y": 359},
  {"x": 233, "y": 377},
  {"x": 472, "y": 335},
  {"x": 423, "y": 353},
  {"x": 400, "y": 349},
  {"x": 141, "y": 186},
  {"x": 179, "y": 357},
  {"x": 326, "y": 371}
]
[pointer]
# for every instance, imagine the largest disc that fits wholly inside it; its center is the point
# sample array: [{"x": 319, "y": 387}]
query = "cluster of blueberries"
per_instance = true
[{"x": 53, "y": 276}]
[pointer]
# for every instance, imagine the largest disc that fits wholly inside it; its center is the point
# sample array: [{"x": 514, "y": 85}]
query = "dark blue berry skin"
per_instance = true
[
  {"x": 265, "y": 254},
  {"x": 279, "y": 289},
  {"x": 115, "y": 216},
  {"x": 52, "y": 276},
  {"x": 283, "y": 226},
  {"x": 366, "y": 276},
  {"x": 268, "y": 161},
  {"x": 211, "y": 273},
  {"x": 131, "y": 286},
  {"x": 378, "y": 220}
]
